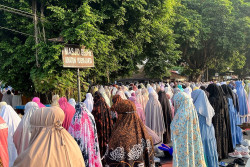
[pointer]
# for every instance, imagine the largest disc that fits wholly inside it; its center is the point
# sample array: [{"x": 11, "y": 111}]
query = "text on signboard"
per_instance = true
[
  {"x": 73, "y": 60},
  {"x": 77, "y": 51}
]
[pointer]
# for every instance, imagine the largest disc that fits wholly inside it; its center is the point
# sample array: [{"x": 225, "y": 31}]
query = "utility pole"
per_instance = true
[
  {"x": 34, "y": 10},
  {"x": 207, "y": 74},
  {"x": 78, "y": 86}
]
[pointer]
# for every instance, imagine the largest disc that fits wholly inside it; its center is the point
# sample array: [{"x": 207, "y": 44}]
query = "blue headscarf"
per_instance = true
[
  {"x": 203, "y": 105},
  {"x": 180, "y": 87},
  {"x": 242, "y": 98}
]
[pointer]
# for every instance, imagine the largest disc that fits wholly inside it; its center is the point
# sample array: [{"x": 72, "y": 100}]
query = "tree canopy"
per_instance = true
[
  {"x": 213, "y": 34},
  {"x": 158, "y": 34}
]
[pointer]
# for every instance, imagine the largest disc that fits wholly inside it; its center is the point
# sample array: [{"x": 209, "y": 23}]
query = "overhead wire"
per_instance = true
[
  {"x": 25, "y": 14},
  {"x": 17, "y": 11},
  {"x": 1, "y": 27},
  {"x": 8, "y": 10}
]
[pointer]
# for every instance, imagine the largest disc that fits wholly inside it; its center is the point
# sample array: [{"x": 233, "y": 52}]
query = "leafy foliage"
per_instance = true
[
  {"x": 213, "y": 34},
  {"x": 122, "y": 34}
]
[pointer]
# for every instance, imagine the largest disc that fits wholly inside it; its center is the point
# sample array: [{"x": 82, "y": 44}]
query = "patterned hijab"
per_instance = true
[
  {"x": 83, "y": 129},
  {"x": 185, "y": 133},
  {"x": 130, "y": 144},
  {"x": 103, "y": 119},
  {"x": 116, "y": 99}
]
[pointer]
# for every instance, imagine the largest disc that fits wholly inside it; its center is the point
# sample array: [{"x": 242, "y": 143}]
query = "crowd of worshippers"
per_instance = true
[{"x": 124, "y": 125}]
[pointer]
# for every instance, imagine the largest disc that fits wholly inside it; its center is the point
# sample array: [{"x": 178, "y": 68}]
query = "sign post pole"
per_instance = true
[{"x": 78, "y": 85}]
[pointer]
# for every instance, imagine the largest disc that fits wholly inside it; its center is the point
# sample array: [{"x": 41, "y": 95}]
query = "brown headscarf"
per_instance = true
[
  {"x": 130, "y": 144},
  {"x": 50, "y": 144},
  {"x": 103, "y": 119},
  {"x": 116, "y": 99}
]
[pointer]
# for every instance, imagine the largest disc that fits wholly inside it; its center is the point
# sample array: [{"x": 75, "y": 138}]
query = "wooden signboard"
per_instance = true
[{"x": 75, "y": 56}]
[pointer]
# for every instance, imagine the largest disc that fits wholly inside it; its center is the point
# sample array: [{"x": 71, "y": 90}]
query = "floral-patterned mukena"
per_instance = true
[
  {"x": 185, "y": 133},
  {"x": 130, "y": 145},
  {"x": 83, "y": 129}
]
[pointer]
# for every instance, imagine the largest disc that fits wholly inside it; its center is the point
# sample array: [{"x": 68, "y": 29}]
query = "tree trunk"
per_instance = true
[
  {"x": 196, "y": 76},
  {"x": 34, "y": 12},
  {"x": 42, "y": 20},
  {"x": 107, "y": 72}
]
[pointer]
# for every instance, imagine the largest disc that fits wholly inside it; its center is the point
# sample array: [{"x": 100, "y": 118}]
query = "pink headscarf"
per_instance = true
[
  {"x": 68, "y": 110},
  {"x": 139, "y": 109},
  {"x": 4, "y": 142},
  {"x": 37, "y": 101},
  {"x": 135, "y": 88}
]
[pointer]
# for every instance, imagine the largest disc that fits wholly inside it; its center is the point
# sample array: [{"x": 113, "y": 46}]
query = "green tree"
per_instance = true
[
  {"x": 211, "y": 35},
  {"x": 118, "y": 32},
  {"x": 161, "y": 52},
  {"x": 17, "y": 56}
]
